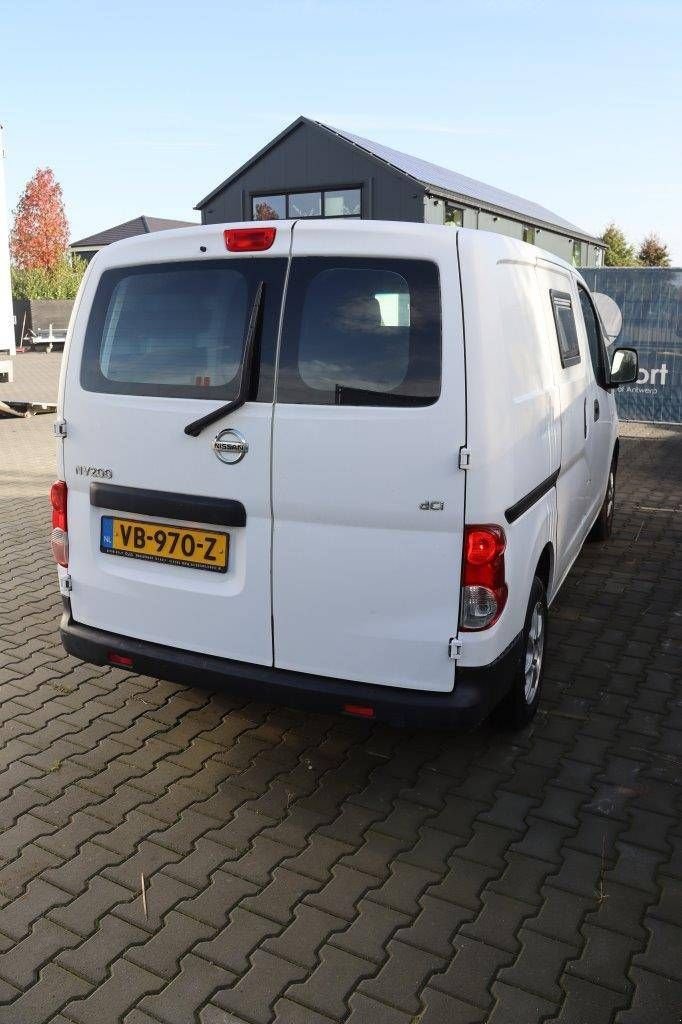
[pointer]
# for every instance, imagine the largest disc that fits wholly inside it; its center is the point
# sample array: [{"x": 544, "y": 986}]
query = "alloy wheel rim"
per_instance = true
[
  {"x": 610, "y": 496},
  {"x": 535, "y": 645}
]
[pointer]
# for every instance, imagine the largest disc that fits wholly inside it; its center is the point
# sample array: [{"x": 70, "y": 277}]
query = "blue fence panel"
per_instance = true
[{"x": 650, "y": 299}]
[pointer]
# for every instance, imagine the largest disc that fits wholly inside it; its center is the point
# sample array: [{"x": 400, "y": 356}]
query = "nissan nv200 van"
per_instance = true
[{"x": 341, "y": 465}]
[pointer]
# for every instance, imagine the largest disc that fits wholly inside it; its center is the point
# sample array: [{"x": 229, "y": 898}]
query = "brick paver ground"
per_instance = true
[
  {"x": 36, "y": 377},
  {"x": 308, "y": 869}
]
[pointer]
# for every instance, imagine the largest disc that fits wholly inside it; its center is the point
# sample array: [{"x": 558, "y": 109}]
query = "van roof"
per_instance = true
[{"x": 205, "y": 233}]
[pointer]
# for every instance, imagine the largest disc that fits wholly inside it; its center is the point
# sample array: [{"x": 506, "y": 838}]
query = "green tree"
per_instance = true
[
  {"x": 653, "y": 252},
  {"x": 59, "y": 281},
  {"x": 619, "y": 253}
]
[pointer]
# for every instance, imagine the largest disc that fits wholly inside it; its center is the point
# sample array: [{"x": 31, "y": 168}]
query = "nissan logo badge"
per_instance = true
[{"x": 230, "y": 446}]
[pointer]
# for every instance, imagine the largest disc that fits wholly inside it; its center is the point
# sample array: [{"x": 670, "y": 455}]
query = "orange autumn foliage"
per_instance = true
[{"x": 40, "y": 234}]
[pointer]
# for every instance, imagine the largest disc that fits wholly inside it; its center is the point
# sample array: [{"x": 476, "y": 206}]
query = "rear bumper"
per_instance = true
[{"x": 475, "y": 694}]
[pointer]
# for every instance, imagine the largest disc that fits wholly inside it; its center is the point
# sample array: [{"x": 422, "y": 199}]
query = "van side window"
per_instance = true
[
  {"x": 361, "y": 332},
  {"x": 594, "y": 337},
  {"x": 566, "y": 332}
]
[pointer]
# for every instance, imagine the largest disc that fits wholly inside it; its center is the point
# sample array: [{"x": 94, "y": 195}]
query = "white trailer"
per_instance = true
[{"x": 7, "y": 347}]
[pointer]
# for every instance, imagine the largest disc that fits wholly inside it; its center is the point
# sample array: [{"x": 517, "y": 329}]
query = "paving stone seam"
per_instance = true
[
  {"x": 439, "y": 970},
  {"x": 292, "y": 915},
  {"x": 600, "y": 778},
  {"x": 43, "y": 963},
  {"x": 371, "y": 827},
  {"x": 60, "y": 1008}
]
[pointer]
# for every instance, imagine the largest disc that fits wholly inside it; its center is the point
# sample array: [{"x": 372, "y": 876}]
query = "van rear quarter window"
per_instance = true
[
  {"x": 361, "y": 332},
  {"x": 567, "y": 334},
  {"x": 178, "y": 329}
]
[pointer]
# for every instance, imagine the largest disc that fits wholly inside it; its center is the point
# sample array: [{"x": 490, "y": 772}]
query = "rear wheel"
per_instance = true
[
  {"x": 519, "y": 706},
  {"x": 603, "y": 526}
]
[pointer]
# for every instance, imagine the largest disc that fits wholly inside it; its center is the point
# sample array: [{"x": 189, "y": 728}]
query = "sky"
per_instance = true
[{"x": 144, "y": 107}]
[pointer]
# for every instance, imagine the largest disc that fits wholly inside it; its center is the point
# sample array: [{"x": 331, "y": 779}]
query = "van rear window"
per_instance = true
[
  {"x": 177, "y": 329},
  {"x": 361, "y": 332}
]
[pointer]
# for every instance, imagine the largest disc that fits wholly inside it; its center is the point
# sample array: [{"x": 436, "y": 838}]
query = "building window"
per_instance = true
[
  {"x": 454, "y": 215},
  {"x": 598, "y": 258},
  {"x": 577, "y": 254},
  {"x": 529, "y": 234},
  {"x": 343, "y": 202},
  {"x": 339, "y": 202},
  {"x": 268, "y": 208},
  {"x": 304, "y": 204}
]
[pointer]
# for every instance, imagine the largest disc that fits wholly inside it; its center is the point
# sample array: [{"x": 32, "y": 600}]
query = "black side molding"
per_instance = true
[
  {"x": 515, "y": 511},
  {"x": 196, "y": 508}
]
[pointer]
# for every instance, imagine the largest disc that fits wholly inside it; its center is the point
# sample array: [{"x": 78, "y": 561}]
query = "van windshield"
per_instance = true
[{"x": 176, "y": 329}]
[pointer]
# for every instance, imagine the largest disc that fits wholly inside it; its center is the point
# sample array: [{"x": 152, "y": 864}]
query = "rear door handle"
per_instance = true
[
  {"x": 596, "y": 409},
  {"x": 585, "y": 417}
]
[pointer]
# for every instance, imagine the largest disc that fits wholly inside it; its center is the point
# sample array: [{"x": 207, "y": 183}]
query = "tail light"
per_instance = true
[
  {"x": 60, "y": 535},
  {"x": 484, "y": 590},
  {"x": 359, "y": 710},
  {"x": 249, "y": 239}
]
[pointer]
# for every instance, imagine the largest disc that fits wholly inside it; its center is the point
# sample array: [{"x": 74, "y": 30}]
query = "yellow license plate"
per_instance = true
[{"x": 160, "y": 542}]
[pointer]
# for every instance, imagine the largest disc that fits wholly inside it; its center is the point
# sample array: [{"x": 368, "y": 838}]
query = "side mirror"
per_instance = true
[
  {"x": 609, "y": 314},
  {"x": 624, "y": 366}
]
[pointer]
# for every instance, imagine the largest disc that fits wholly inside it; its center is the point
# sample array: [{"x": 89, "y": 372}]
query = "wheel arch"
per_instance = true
[{"x": 545, "y": 567}]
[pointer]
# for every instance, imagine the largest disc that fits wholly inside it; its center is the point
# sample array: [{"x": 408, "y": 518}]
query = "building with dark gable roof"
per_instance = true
[
  {"x": 87, "y": 247},
  {"x": 314, "y": 170}
]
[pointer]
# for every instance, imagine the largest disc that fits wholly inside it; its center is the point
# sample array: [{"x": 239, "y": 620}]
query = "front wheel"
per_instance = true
[
  {"x": 519, "y": 706},
  {"x": 603, "y": 524}
]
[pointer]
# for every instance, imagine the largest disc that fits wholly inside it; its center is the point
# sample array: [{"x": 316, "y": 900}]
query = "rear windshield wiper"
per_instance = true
[{"x": 246, "y": 376}]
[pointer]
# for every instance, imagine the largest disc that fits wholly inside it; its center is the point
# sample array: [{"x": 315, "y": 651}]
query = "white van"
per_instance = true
[{"x": 341, "y": 465}]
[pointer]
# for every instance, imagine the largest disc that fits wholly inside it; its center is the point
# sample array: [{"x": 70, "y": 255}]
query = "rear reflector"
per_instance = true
[
  {"x": 359, "y": 710},
  {"x": 59, "y": 542},
  {"x": 119, "y": 659},
  {"x": 249, "y": 239}
]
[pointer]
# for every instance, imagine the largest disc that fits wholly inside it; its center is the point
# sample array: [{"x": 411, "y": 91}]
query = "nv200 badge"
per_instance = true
[{"x": 97, "y": 472}]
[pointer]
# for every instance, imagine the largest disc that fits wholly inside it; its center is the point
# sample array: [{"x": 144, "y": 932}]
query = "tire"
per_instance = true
[
  {"x": 518, "y": 708},
  {"x": 603, "y": 524}
]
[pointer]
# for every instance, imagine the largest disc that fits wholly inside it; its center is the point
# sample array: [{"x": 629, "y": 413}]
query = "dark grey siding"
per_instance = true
[{"x": 310, "y": 158}]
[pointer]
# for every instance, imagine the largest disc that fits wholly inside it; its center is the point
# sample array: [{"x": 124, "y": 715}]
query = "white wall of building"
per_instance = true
[
  {"x": 6, "y": 314},
  {"x": 501, "y": 225},
  {"x": 590, "y": 255},
  {"x": 470, "y": 218},
  {"x": 558, "y": 244}
]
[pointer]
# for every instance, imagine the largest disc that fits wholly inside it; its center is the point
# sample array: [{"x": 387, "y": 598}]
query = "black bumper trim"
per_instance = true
[
  {"x": 195, "y": 508},
  {"x": 475, "y": 694}
]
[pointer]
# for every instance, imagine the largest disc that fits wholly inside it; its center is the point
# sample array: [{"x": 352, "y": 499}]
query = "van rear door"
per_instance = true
[
  {"x": 170, "y": 533},
  {"x": 368, "y": 499}
]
